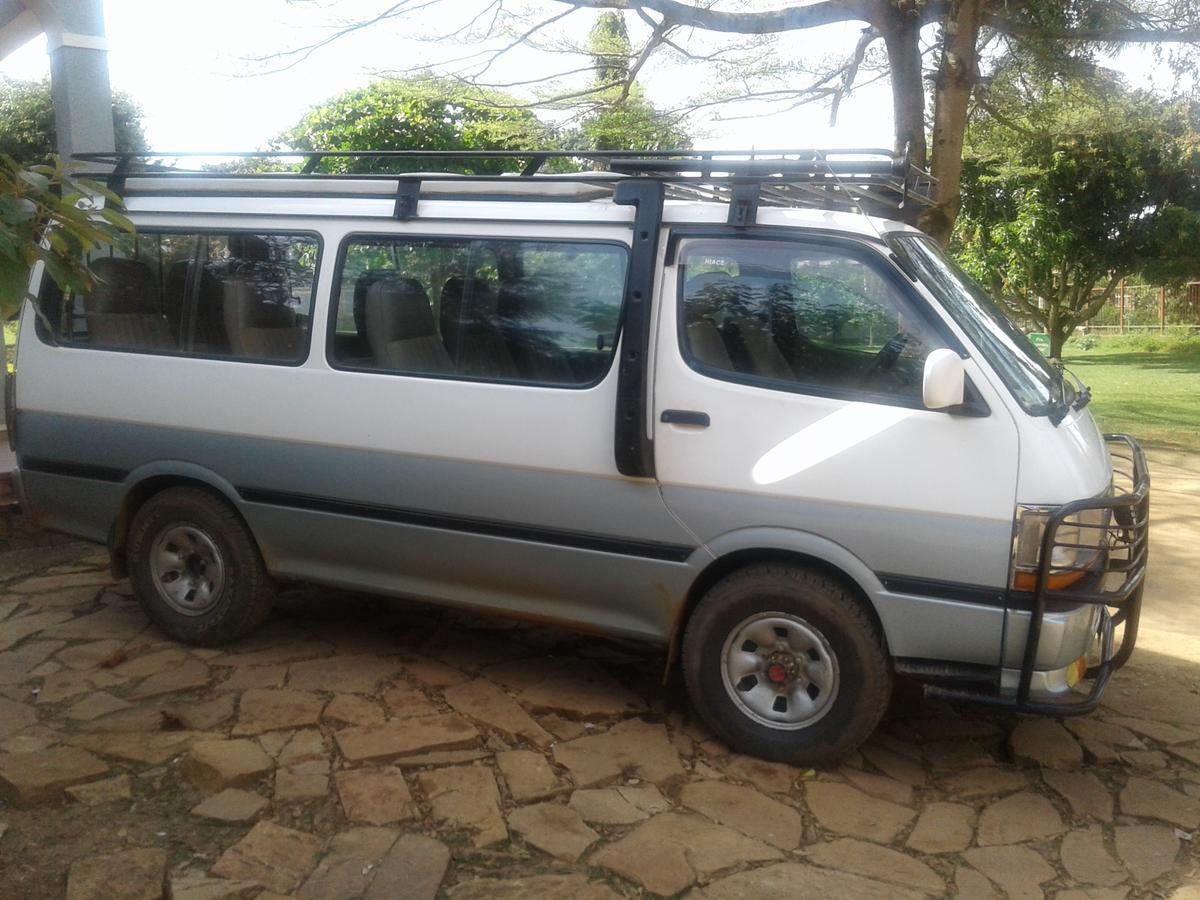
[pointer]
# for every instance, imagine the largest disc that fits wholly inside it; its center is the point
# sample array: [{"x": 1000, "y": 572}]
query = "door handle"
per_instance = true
[{"x": 686, "y": 417}]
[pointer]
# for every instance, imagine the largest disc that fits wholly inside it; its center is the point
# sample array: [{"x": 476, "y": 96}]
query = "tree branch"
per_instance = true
[
  {"x": 1011, "y": 124},
  {"x": 522, "y": 38},
  {"x": 1146, "y": 34},
  {"x": 868, "y": 37},
  {"x": 790, "y": 18},
  {"x": 300, "y": 54}
]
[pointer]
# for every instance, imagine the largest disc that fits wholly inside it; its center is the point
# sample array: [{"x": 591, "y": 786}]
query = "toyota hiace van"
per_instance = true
[{"x": 719, "y": 402}]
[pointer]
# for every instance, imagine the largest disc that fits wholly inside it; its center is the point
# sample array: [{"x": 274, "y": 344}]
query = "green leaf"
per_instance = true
[
  {"x": 66, "y": 273},
  {"x": 118, "y": 220},
  {"x": 14, "y": 279},
  {"x": 96, "y": 187},
  {"x": 35, "y": 180}
]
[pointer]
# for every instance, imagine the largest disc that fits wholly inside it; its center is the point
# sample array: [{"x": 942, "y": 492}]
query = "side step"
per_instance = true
[{"x": 939, "y": 671}]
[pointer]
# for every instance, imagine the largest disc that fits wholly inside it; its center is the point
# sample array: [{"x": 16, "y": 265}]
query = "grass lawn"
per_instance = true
[{"x": 1154, "y": 396}]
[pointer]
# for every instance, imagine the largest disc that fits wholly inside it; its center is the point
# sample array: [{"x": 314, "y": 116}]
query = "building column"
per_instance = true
[{"x": 78, "y": 74}]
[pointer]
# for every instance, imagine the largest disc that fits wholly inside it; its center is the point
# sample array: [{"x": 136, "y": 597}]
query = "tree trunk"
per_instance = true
[
  {"x": 958, "y": 71},
  {"x": 1058, "y": 338},
  {"x": 1055, "y": 330},
  {"x": 902, "y": 38}
]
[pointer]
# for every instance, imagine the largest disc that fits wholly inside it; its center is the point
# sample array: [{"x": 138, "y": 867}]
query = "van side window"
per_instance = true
[
  {"x": 812, "y": 319},
  {"x": 235, "y": 295},
  {"x": 539, "y": 312}
]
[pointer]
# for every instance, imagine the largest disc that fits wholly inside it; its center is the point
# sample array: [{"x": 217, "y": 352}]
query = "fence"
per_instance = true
[
  {"x": 1143, "y": 308},
  {"x": 1105, "y": 330}
]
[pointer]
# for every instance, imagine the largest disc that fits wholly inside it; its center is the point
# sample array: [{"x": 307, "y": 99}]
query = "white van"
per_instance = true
[{"x": 697, "y": 399}]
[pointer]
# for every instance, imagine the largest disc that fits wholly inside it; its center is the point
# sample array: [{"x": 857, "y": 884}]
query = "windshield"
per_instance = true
[{"x": 1032, "y": 380}]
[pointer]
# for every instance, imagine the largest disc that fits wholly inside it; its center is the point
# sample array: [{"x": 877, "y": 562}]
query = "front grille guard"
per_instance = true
[{"x": 1114, "y": 581}]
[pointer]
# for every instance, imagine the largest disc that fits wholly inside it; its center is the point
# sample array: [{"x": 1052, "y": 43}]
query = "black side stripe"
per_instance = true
[
  {"x": 488, "y": 527},
  {"x": 72, "y": 469},
  {"x": 947, "y": 590}
]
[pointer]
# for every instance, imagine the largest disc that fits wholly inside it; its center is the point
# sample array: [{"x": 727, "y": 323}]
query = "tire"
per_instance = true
[
  {"x": 828, "y": 663},
  {"x": 196, "y": 569}
]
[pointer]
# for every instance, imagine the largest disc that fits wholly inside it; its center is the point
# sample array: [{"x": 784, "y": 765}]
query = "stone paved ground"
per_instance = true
[{"x": 358, "y": 747}]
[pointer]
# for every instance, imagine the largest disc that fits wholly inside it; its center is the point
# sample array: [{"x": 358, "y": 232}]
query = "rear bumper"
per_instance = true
[{"x": 1063, "y": 625}]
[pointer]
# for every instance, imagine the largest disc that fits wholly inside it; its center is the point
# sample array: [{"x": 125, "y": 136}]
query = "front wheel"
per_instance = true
[
  {"x": 196, "y": 569},
  {"x": 786, "y": 664}
]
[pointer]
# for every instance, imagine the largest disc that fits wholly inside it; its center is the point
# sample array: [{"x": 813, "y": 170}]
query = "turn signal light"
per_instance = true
[
  {"x": 1056, "y": 581},
  {"x": 1076, "y": 671}
]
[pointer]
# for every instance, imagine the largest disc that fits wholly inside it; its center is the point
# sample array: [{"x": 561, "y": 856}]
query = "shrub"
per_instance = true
[{"x": 1187, "y": 342}]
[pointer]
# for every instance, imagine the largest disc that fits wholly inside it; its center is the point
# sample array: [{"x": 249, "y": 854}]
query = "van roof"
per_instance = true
[
  {"x": 675, "y": 212},
  {"x": 785, "y": 187}
]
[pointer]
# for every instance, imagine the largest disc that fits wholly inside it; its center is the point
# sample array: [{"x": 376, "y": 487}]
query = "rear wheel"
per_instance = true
[
  {"x": 786, "y": 664},
  {"x": 196, "y": 569}
]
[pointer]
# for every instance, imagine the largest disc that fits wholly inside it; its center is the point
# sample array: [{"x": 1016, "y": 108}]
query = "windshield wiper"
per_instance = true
[
  {"x": 1059, "y": 406},
  {"x": 1080, "y": 393},
  {"x": 1083, "y": 393}
]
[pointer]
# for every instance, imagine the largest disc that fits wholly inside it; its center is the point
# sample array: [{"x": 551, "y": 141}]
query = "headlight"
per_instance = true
[{"x": 1079, "y": 544}]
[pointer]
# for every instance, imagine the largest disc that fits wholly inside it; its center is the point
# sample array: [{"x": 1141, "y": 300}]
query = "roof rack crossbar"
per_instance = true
[
  {"x": 408, "y": 195},
  {"x": 743, "y": 204}
]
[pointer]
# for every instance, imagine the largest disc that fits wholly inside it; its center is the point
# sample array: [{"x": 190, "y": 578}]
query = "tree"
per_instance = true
[
  {"x": 417, "y": 114},
  {"x": 618, "y": 115},
  {"x": 27, "y": 132},
  {"x": 50, "y": 216},
  {"x": 1065, "y": 194},
  {"x": 739, "y": 45}
]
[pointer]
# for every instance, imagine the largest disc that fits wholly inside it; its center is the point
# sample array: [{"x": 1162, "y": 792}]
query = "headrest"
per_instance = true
[
  {"x": 456, "y": 310},
  {"x": 361, "y": 285},
  {"x": 122, "y": 286},
  {"x": 704, "y": 294},
  {"x": 250, "y": 303},
  {"x": 450, "y": 311},
  {"x": 520, "y": 300},
  {"x": 268, "y": 280},
  {"x": 453, "y": 289},
  {"x": 249, "y": 247},
  {"x": 397, "y": 309}
]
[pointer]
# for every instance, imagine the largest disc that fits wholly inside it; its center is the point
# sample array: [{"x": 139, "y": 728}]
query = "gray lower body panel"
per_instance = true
[
  {"x": 84, "y": 507},
  {"x": 945, "y": 630},
  {"x": 608, "y": 593},
  {"x": 961, "y": 549},
  {"x": 596, "y": 552}
]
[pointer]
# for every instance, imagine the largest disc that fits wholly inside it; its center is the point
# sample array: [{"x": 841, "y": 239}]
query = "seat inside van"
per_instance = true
[
  {"x": 470, "y": 331},
  {"x": 124, "y": 310},
  {"x": 705, "y": 339},
  {"x": 729, "y": 323},
  {"x": 259, "y": 323},
  {"x": 400, "y": 327},
  {"x": 519, "y": 304}
]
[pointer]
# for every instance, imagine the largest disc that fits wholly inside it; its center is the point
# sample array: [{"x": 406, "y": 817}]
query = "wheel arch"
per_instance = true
[
  {"x": 147, "y": 481},
  {"x": 737, "y": 550}
]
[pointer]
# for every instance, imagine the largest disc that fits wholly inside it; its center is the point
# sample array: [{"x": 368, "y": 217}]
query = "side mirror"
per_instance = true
[{"x": 944, "y": 380}]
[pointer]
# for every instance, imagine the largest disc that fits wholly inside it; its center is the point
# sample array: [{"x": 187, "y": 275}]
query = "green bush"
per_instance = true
[{"x": 1182, "y": 343}]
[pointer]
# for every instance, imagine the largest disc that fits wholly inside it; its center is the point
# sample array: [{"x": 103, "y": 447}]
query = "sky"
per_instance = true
[{"x": 190, "y": 67}]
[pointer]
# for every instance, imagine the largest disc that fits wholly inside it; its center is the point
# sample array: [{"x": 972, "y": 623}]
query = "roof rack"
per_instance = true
[{"x": 873, "y": 180}]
